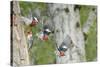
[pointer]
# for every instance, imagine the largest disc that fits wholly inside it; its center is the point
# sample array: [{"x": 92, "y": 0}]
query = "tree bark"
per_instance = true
[
  {"x": 90, "y": 20},
  {"x": 20, "y": 52},
  {"x": 68, "y": 24}
]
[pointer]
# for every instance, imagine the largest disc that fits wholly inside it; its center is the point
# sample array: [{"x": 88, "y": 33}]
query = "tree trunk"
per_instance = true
[
  {"x": 19, "y": 46},
  {"x": 90, "y": 20},
  {"x": 67, "y": 28}
]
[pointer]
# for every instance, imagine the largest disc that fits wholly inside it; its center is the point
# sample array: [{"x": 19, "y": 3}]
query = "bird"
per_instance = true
[
  {"x": 45, "y": 37},
  {"x": 29, "y": 39},
  {"x": 32, "y": 22},
  {"x": 46, "y": 30},
  {"x": 44, "y": 33},
  {"x": 65, "y": 45},
  {"x": 62, "y": 49},
  {"x": 62, "y": 53},
  {"x": 42, "y": 36}
]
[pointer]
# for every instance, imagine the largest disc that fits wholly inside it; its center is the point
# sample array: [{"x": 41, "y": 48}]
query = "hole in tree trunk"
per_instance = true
[
  {"x": 66, "y": 10},
  {"x": 77, "y": 7},
  {"x": 93, "y": 9},
  {"x": 77, "y": 25},
  {"x": 85, "y": 36}
]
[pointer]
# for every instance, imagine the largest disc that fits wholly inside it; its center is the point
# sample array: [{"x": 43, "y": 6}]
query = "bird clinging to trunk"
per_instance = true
[
  {"x": 65, "y": 45},
  {"x": 29, "y": 39},
  {"x": 31, "y": 22},
  {"x": 44, "y": 35},
  {"x": 34, "y": 21}
]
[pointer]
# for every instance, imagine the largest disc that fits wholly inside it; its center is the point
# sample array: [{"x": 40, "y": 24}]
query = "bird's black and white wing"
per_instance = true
[{"x": 27, "y": 21}]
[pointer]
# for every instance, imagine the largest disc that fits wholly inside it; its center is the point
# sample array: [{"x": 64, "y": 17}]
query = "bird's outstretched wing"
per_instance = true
[{"x": 26, "y": 20}]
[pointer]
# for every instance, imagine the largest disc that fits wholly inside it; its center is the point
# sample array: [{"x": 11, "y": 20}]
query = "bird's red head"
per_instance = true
[
  {"x": 62, "y": 53},
  {"x": 34, "y": 23},
  {"x": 45, "y": 37}
]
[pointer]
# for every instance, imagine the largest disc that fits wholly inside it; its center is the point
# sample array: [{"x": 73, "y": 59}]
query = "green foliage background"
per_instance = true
[{"x": 91, "y": 42}]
